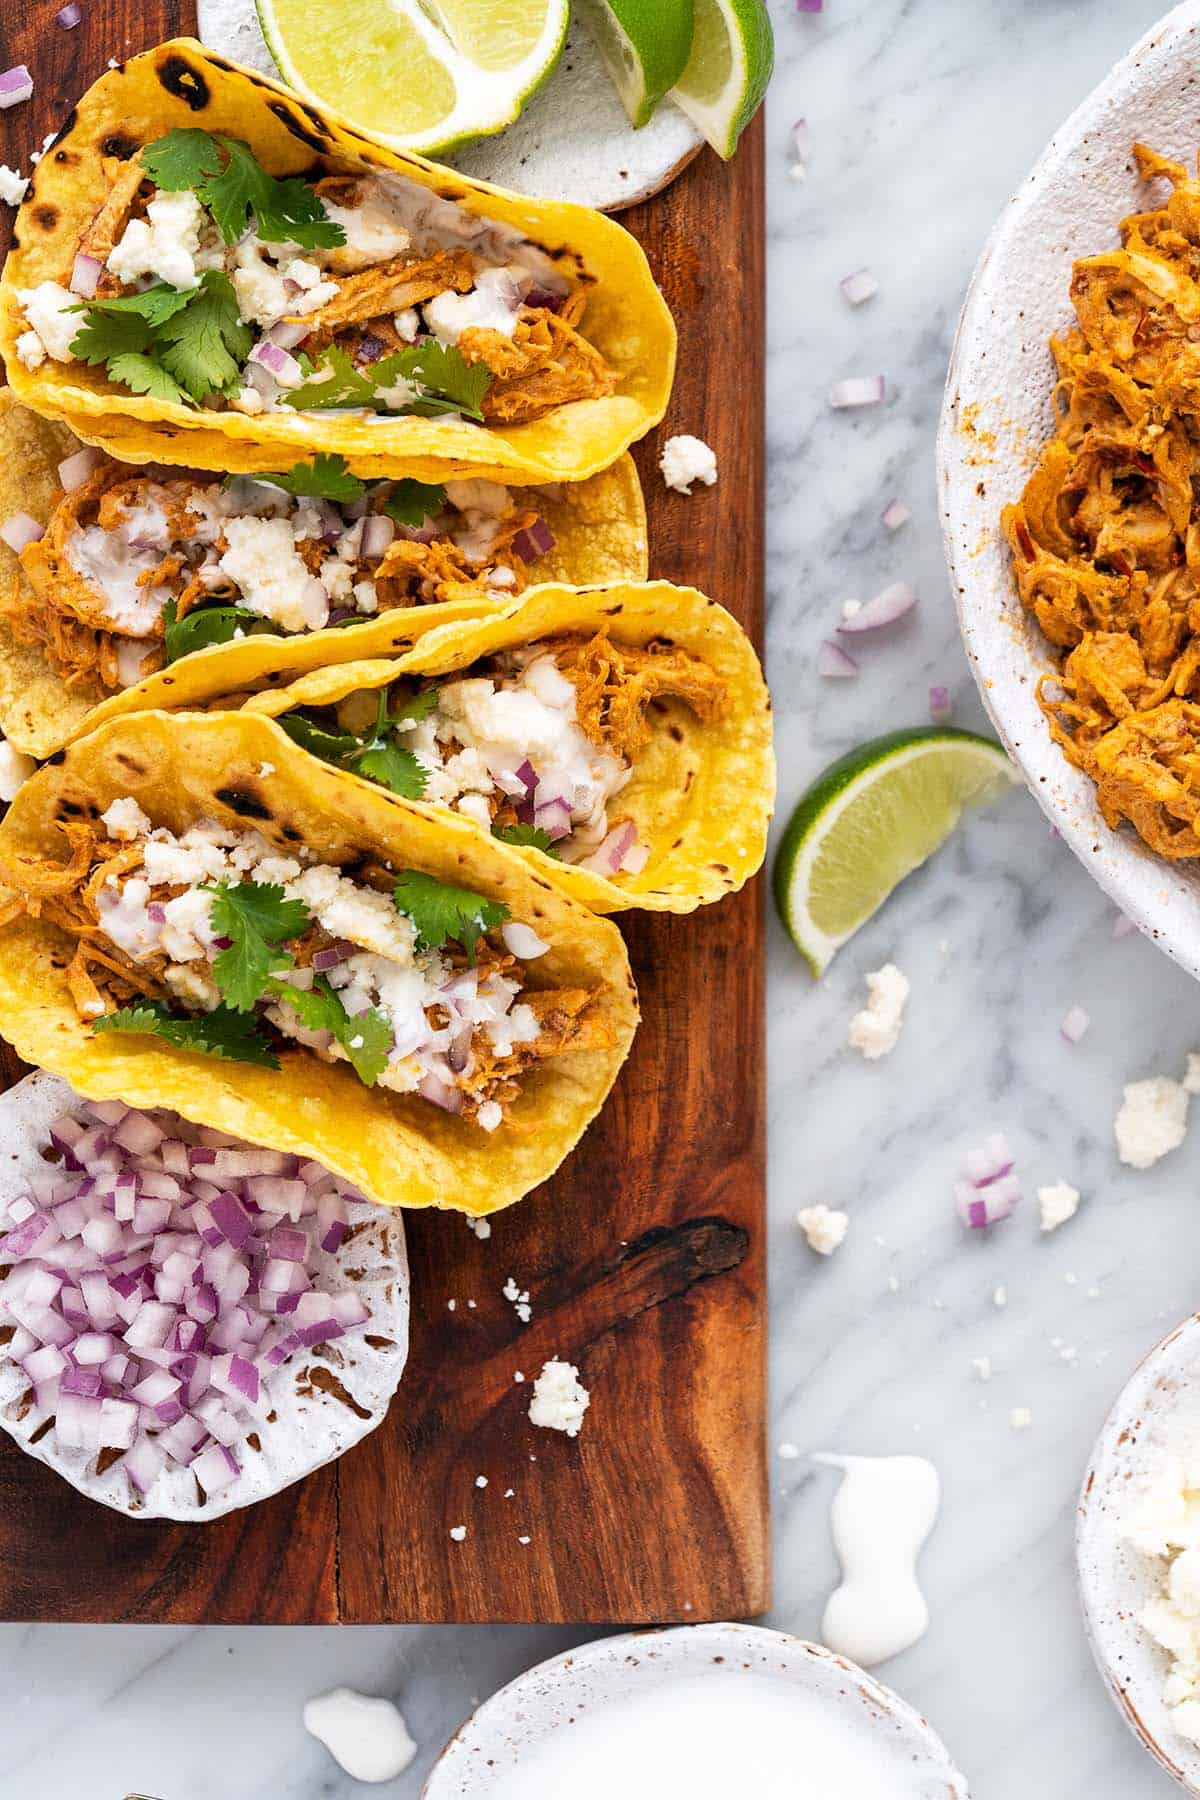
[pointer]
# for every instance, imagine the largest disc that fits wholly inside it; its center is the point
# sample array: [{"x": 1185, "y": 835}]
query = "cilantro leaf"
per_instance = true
[
  {"x": 205, "y": 625},
  {"x": 393, "y": 768},
  {"x": 450, "y": 383},
  {"x": 417, "y": 706},
  {"x": 336, "y": 382},
  {"x": 259, "y": 920},
  {"x": 142, "y": 375},
  {"x": 104, "y": 336},
  {"x": 222, "y": 1033},
  {"x": 155, "y": 304},
  {"x": 365, "y": 1037},
  {"x": 324, "y": 478},
  {"x": 527, "y": 835},
  {"x": 439, "y": 911},
  {"x": 229, "y": 180},
  {"x": 330, "y": 746},
  {"x": 412, "y": 502},
  {"x": 205, "y": 344}
]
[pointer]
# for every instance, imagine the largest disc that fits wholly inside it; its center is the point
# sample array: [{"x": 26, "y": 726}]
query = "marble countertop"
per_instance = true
[{"x": 924, "y": 115}]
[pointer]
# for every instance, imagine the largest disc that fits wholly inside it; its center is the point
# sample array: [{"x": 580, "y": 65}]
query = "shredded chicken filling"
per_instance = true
[{"x": 1105, "y": 539}]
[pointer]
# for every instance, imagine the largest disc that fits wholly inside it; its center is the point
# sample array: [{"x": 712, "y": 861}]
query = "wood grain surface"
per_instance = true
[{"x": 644, "y": 1258}]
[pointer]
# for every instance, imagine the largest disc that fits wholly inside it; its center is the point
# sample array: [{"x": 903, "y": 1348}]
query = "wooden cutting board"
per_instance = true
[{"x": 644, "y": 1257}]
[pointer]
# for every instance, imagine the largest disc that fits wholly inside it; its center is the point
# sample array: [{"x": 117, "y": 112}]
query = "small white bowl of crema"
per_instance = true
[{"x": 710, "y": 1711}]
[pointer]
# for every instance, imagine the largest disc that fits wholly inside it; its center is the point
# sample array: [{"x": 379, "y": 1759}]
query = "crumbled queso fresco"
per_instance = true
[
  {"x": 685, "y": 460},
  {"x": 1167, "y": 1525},
  {"x": 875, "y": 1031},
  {"x": 558, "y": 1401},
  {"x": 1152, "y": 1120},
  {"x": 824, "y": 1228},
  {"x": 12, "y": 185},
  {"x": 386, "y": 972},
  {"x": 1058, "y": 1203}
]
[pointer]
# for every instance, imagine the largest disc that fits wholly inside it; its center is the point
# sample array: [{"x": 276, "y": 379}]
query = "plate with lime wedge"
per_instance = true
[{"x": 603, "y": 102}]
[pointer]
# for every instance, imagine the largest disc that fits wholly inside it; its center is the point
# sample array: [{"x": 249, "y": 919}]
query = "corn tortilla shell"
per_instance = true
[
  {"x": 599, "y": 527},
  {"x": 702, "y": 792},
  {"x": 180, "y": 83},
  {"x": 396, "y": 1149}
]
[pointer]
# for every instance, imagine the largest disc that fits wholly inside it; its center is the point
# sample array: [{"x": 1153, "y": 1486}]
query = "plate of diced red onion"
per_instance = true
[{"x": 188, "y": 1323}]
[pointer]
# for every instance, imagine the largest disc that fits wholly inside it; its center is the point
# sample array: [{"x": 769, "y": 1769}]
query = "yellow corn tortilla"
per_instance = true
[
  {"x": 397, "y": 1149},
  {"x": 599, "y": 528},
  {"x": 701, "y": 794},
  {"x": 182, "y": 84}
]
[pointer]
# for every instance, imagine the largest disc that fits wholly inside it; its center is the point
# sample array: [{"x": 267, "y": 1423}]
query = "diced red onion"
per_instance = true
[
  {"x": 833, "y": 664},
  {"x": 608, "y": 859},
  {"x": 533, "y": 540},
  {"x": 16, "y": 84},
  {"x": 990, "y": 1190},
  {"x": 441, "y": 1094},
  {"x": 801, "y": 140},
  {"x": 1122, "y": 925},
  {"x": 69, "y": 16},
  {"x": 859, "y": 286},
  {"x": 523, "y": 941},
  {"x": 554, "y": 818},
  {"x": 278, "y": 363},
  {"x": 85, "y": 275},
  {"x": 20, "y": 530},
  {"x": 73, "y": 471},
  {"x": 857, "y": 390},
  {"x": 1075, "y": 1025},
  {"x": 810, "y": 6},
  {"x": 215, "y": 1468},
  {"x": 377, "y": 533},
  {"x": 890, "y": 604},
  {"x": 287, "y": 334},
  {"x": 894, "y": 515},
  {"x": 941, "y": 707}
]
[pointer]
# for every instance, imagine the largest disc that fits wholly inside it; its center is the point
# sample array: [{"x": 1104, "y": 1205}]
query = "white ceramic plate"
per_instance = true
[
  {"x": 507, "y": 1727},
  {"x": 997, "y": 412},
  {"x": 572, "y": 142},
  {"x": 1156, "y": 1415},
  {"x": 311, "y": 1427}
]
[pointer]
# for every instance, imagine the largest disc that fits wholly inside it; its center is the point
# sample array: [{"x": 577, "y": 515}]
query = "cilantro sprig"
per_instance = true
[
  {"x": 527, "y": 836},
  {"x": 445, "y": 382},
  {"x": 206, "y": 625},
  {"x": 412, "y": 502},
  {"x": 228, "y": 179},
  {"x": 440, "y": 912},
  {"x": 366, "y": 1037},
  {"x": 258, "y": 920},
  {"x": 222, "y": 1033},
  {"x": 374, "y": 753},
  {"x": 176, "y": 344},
  {"x": 326, "y": 477}
]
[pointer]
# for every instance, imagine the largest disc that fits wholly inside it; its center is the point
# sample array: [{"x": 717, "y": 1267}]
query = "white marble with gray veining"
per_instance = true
[{"x": 924, "y": 115}]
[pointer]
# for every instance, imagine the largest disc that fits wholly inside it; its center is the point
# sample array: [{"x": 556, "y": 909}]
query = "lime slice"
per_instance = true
[
  {"x": 733, "y": 52},
  {"x": 417, "y": 74},
  {"x": 871, "y": 819},
  {"x": 645, "y": 45}
]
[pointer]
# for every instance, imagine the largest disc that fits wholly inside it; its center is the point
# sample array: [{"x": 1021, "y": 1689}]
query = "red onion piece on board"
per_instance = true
[
  {"x": 16, "y": 84},
  {"x": 1075, "y": 1024},
  {"x": 894, "y": 515},
  {"x": 69, "y": 16},
  {"x": 859, "y": 286},
  {"x": 833, "y": 664}
]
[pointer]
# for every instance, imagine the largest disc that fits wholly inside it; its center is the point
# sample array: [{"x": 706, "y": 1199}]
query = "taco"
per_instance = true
[
  {"x": 207, "y": 271},
  {"x": 619, "y": 737},
  {"x": 202, "y": 917},
  {"x": 121, "y": 572}
]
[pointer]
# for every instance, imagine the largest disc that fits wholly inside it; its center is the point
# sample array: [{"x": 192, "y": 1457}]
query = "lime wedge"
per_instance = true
[
  {"x": 733, "y": 53},
  {"x": 645, "y": 45},
  {"x": 417, "y": 74},
  {"x": 871, "y": 819}
]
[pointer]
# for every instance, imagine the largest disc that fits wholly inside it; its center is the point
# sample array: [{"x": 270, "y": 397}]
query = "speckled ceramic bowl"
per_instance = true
[
  {"x": 491, "y": 1743},
  {"x": 997, "y": 412},
  {"x": 1157, "y": 1414}
]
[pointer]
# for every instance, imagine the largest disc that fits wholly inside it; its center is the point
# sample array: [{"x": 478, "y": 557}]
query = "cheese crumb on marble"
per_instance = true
[
  {"x": 1000, "y": 1296},
  {"x": 366, "y": 1736},
  {"x": 1058, "y": 1202},
  {"x": 875, "y": 1031},
  {"x": 559, "y": 1402},
  {"x": 685, "y": 460},
  {"x": 1020, "y": 1418},
  {"x": 789, "y": 1452},
  {"x": 982, "y": 1366},
  {"x": 1152, "y": 1120},
  {"x": 823, "y": 1227}
]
